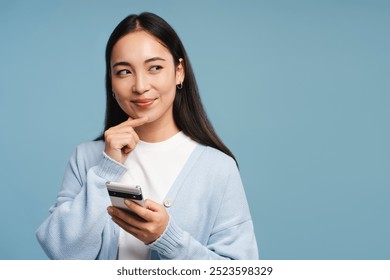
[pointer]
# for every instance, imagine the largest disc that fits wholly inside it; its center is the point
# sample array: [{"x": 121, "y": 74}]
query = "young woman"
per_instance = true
[{"x": 157, "y": 135}]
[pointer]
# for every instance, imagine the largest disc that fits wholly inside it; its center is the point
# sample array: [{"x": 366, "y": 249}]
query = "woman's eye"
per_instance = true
[
  {"x": 123, "y": 72},
  {"x": 155, "y": 68}
]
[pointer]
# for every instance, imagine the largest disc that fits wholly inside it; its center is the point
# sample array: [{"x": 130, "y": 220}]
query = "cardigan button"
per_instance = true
[{"x": 168, "y": 203}]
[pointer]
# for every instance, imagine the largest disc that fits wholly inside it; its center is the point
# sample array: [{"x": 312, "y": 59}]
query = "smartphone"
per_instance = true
[{"x": 119, "y": 192}]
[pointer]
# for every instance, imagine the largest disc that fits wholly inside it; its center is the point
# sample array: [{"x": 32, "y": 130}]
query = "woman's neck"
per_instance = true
[{"x": 157, "y": 131}]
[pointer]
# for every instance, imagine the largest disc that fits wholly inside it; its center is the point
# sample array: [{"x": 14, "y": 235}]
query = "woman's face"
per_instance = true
[{"x": 144, "y": 77}]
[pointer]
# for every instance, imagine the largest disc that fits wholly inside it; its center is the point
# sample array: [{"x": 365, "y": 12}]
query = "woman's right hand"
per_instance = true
[{"x": 121, "y": 139}]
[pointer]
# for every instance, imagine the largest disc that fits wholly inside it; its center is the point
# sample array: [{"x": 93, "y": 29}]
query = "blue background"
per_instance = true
[{"x": 299, "y": 90}]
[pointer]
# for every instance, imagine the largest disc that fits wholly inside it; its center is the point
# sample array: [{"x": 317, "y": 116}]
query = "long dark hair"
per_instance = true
[{"x": 188, "y": 111}]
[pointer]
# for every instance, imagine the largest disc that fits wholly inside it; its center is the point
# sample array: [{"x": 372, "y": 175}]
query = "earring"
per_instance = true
[
  {"x": 180, "y": 86},
  {"x": 113, "y": 94}
]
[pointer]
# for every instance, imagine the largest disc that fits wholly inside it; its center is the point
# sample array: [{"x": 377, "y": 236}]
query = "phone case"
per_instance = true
[{"x": 119, "y": 192}]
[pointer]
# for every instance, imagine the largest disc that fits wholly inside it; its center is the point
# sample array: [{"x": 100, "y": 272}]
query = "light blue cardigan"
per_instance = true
[{"x": 209, "y": 217}]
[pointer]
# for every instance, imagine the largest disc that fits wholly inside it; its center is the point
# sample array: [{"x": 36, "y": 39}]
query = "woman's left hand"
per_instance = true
[{"x": 145, "y": 223}]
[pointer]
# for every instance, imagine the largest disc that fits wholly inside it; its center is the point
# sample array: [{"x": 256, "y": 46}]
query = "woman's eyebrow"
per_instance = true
[
  {"x": 125, "y": 63},
  {"x": 121, "y": 63},
  {"x": 154, "y": 59}
]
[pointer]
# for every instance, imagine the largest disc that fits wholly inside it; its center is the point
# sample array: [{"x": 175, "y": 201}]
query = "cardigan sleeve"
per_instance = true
[
  {"x": 235, "y": 242},
  {"x": 232, "y": 235},
  {"x": 78, "y": 226}
]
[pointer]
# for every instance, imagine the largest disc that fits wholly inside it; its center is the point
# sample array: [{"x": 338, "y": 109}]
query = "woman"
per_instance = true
[{"x": 157, "y": 136}]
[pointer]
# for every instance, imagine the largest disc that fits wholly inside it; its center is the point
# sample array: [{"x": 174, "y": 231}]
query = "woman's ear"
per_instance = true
[{"x": 180, "y": 73}]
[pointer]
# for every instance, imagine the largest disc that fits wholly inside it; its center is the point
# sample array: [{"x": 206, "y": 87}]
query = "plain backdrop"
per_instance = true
[{"x": 299, "y": 90}]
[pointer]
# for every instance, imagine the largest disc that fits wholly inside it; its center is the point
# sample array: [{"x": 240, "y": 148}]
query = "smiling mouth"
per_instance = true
[{"x": 145, "y": 102}]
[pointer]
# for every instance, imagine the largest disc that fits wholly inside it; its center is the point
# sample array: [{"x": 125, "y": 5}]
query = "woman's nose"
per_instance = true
[{"x": 141, "y": 84}]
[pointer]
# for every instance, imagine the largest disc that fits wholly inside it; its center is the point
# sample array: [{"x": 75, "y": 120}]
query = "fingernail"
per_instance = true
[
  {"x": 110, "y": 210},
  {"x": 128, "y": 202}
]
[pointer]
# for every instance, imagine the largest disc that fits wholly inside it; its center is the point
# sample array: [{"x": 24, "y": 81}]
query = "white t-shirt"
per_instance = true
[{"x": 154, "y": 167}]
